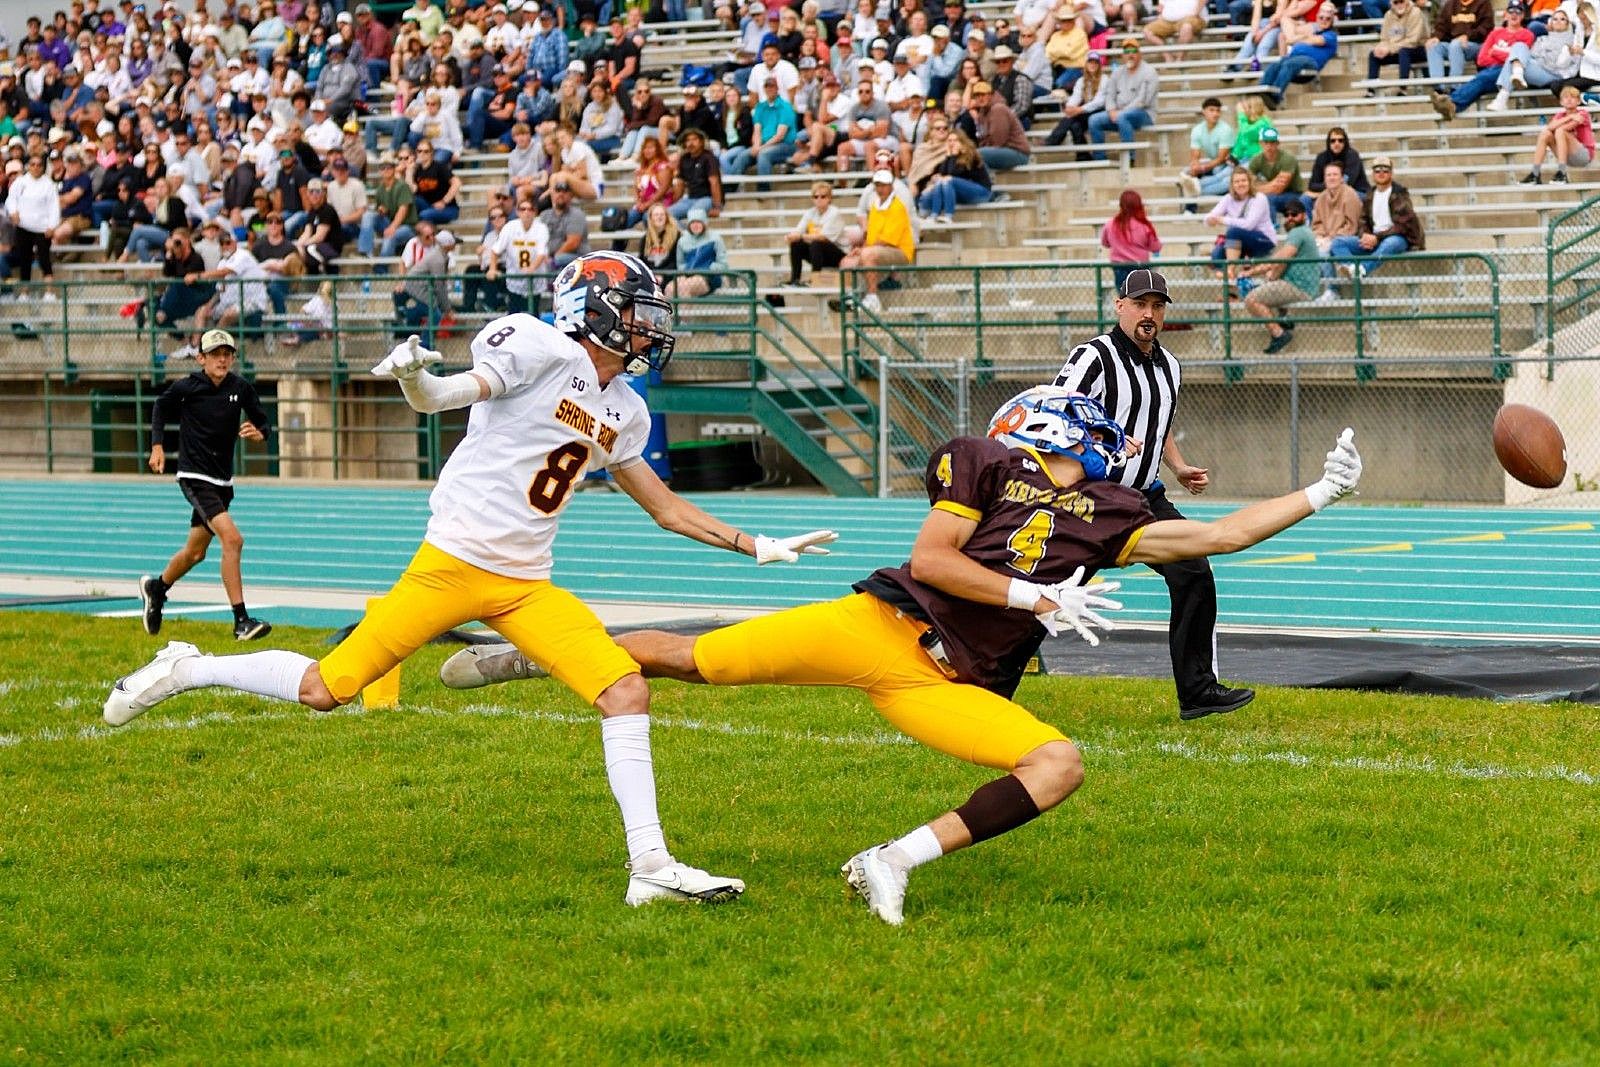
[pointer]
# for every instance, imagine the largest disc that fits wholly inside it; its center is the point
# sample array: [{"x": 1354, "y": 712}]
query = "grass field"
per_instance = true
[{"x": 1322, "y": 878}]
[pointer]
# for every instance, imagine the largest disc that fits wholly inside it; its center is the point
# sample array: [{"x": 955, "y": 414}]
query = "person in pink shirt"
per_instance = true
[
  {"x": 1492, "y": 55},
  {"x": 1570, "y": 133},
  {"x": 1129, "y": 236}
]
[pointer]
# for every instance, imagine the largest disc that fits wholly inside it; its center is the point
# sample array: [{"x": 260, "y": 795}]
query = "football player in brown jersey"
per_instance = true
[{"x": 1018, "y": 520}]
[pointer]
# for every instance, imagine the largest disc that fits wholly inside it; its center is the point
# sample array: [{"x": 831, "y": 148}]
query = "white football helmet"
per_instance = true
[{"x": 1052, "y": 419}]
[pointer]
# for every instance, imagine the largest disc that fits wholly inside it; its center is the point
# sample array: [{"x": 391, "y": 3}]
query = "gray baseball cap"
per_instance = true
[{"x": 1144, "y": 281}]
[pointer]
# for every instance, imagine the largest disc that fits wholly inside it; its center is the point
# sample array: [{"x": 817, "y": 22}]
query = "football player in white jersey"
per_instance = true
[{"x": 546, "y": 408}]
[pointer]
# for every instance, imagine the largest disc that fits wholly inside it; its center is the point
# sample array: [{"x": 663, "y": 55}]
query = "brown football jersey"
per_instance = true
[{"x": 1028, "y": 527}]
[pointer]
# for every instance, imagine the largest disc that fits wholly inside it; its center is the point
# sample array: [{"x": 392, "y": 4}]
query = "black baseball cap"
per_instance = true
[{"x": 1143, "y": 281}]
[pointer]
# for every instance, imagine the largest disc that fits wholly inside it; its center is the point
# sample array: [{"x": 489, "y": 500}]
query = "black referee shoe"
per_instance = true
[
  {"x": 154, "y": 599},
  {"x": 248, "y": 629},
  {"x": 1216, "y": 700}
]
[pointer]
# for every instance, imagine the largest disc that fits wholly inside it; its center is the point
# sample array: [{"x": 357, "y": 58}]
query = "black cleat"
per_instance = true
[
  {"x": 248, "y": 629},
  {"x": 1216, "y": 700},
  {"x": 154, "y": 598}
]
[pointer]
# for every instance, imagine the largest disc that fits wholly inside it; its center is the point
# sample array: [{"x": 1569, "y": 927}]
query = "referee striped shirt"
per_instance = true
[{"x": 1140, "y": 391}]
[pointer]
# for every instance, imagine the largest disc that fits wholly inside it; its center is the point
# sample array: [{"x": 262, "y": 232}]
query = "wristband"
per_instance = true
[
  {"x": 1321, "y": 494},
  {"x": 1023, "y": 595}
]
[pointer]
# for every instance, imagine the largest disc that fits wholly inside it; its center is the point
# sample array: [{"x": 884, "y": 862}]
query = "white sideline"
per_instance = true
[{"x": 1184, "y": 750}]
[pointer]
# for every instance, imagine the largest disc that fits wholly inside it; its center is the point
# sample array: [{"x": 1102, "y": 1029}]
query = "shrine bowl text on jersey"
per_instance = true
[{"x": 499, "y": 497}]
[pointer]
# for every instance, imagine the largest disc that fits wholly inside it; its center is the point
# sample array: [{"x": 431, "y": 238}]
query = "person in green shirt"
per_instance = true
[
  {"x": 1277, "y": 173},
  {"x": 1289, "y": 276},
  {"x": 590, "y": 42},
  {"x": 1252, "y": 121},
  {"x": 390, "y": 212}
]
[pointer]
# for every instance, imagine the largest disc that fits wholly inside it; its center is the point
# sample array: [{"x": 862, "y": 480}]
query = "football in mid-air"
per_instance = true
[{"x": 1529, "y": 445}]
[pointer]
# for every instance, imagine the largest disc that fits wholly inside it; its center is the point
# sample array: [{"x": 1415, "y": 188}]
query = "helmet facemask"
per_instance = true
[{"x": 1067, "y": 424}]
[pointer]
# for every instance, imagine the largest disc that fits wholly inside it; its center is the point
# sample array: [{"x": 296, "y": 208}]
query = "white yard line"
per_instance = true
[{"x": 1107, "y": 749}]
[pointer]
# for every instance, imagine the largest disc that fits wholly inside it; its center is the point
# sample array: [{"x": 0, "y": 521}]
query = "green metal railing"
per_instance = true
[{"x": 1572, "y": 280}]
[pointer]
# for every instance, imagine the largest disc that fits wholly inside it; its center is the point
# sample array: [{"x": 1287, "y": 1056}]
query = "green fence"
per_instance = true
[{"x": 1572, "y": 282}]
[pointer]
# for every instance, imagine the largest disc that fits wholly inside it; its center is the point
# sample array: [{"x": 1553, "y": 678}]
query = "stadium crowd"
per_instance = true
[{"x": 247, "y": 146}]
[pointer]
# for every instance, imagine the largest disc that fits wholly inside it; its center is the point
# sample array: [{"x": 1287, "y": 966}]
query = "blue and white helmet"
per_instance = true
[
  {"x": 1051, "y": 419},
  {"x": 593, "y": 291}
]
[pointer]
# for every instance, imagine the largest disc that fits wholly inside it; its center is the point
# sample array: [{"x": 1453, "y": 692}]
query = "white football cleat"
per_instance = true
[
  {"x": 880, "y": 883},
  {"x": 136, "y": 693},
  {"x": 480, "y": 665},
  {"x": 679, "y": 881}
]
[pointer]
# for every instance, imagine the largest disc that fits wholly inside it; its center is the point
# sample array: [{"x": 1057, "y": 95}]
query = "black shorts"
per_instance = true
[{"x": 208, "y": 500}]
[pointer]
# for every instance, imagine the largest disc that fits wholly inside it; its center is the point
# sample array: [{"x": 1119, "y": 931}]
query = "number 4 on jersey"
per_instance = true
[{"x": 1029, "y": 540}]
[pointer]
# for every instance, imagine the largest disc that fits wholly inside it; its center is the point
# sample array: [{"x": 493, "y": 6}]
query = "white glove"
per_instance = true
[
  {"x": 1340, "y": 473},
  {"x": 1076, "y": 604},
  {"x": 790, "y": 549},
  {"x": 406, "y": 360}
]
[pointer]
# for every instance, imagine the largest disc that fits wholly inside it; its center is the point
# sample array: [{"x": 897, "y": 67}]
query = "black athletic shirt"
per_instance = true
[
  {"x": 208, "y": 423},
  {"x": 1028, "y": 527}
]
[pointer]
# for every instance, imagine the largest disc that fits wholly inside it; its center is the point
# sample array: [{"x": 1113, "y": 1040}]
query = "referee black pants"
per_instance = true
[{"x": 1192, "y": 628}]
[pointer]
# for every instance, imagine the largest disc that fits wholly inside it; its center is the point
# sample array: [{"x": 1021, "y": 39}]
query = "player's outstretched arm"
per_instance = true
[
  {"x": 427, "y": 393},
  {"x": 672, "y": 512},
  {"x": 1174, "y": 539}
]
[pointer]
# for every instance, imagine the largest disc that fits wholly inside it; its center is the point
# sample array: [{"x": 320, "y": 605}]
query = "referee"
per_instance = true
[
  {"x": 206, "y": 406},
  {"x": 1136, "y": 378}
]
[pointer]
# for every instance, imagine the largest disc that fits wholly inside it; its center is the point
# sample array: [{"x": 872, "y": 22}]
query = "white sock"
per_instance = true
[
  {"x": 632, "y": 774},
  {"x": 268, "y": 674},
  {"x": 916, "y": 848}
]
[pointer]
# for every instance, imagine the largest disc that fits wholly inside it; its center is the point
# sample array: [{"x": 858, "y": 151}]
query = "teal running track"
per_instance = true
[{"x": 1468, "y": 573}]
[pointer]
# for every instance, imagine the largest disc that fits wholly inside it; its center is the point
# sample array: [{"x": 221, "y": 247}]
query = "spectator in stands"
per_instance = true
[
  {"x": 1251, "y": 120},
  {"x": 567, "y": 226},
  {"x": 699, "y": 178},
  {"x": 1306, "y": 57},
  {"x": 1129, "y": 237},
  {"x": 1289, "y": 277},
  {"x": 602, "y": 121},
  {"x": 1401, "y": 39},
  {"x": 995, "y": 129},
  {"x": 658, "y": 245},
  {"x": 1569, "y": 133},
  {"x": 1491, "y": 60},
  {"x": 865, "y": 127},
  {"x": 34, "y": 208},
  {"x": 1459, "y": 30},
  {"x": 643, "y": 122},
  {"x": 772, "y": 137},
  {"x": 818, "y": 238},
  {"x": 528, "y": 165},
  {"x": 376, "y": 43},
  {"x": 774, "y": 66},
  {"x": 188, "y": 292},
  {"x": 490, "y": 111},
  {"x": 438, "y": 127},
  {"x": 422, "y": 297},
  {"x": 1067, "y": 49},
  {"x": 623, "y": 55},
  {"x": 522, "y": 250},
  {"x": 76, "y": 200},
  {"x": 354, "y": 152},
  {"x": 1262, "y": 31},
  {"x": 890, "y": 240},
  {"x": 1210, "y": 155},
  {"x": 1277, "y": 174},
  {"x": 702, "y": 259},
  {"x": 127, "y": 211},
  {"x": 340, "y": 81},
  {"x": 1183, "y": 19},
  {"x": 1011, "y": 87},
  {"x": 1245, "y": 218},
  {"x": 1553, "y": 57},
  {"x": 1337, "y": 214},
  {"x": 1086, "y": 100},
  {"x": 167, "y": 214},
  {"x": 577, "y": 165},
  {"x": 280, "y": 258},
  {"x": 939, "y": 68},
  {"x": 438, "y": 188},
  {"x": 323, "y": 234},
  {"x": 1336, "y": 149},
  {"x": 347, "y": 196},
  {"x": 652, "y": 181},
  {"x": 961, "y": 178},
  {"x": 1130, "y": 99},
  {"x": 241, "y": 288},
  {"x": 547, "y": 47},
  {"x": 390, "y": 212},
  {"x": 477, "y": 294},
  {"x": 1389, "y": 224}
]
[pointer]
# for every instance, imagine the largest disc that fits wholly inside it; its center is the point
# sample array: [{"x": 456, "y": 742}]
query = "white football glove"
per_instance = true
[
  {"x": 790, "y": 549},
  {"x": 406, "y": 360},
  {"x": 1076, "y": 605},
  {"x": 1340, "y": 473}
]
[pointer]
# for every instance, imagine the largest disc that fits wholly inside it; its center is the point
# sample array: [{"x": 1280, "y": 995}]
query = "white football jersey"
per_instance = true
[
  {"x": 522, "y": 250},
  {"x": 501, "y": 494}
]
